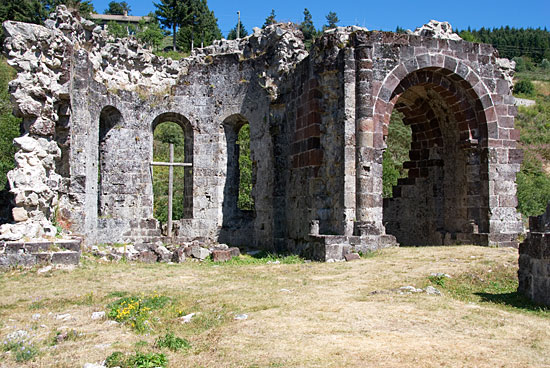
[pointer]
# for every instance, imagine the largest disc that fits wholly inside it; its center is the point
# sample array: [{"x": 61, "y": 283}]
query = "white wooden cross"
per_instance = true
[{"x": 171, "y": 166}]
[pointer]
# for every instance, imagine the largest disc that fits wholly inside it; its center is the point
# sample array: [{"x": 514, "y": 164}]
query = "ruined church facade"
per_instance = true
[{"x": 318, "y": 122}]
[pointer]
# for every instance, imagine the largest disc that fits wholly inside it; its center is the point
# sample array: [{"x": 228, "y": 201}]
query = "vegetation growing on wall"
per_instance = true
[{"x": 399, "y": 143}]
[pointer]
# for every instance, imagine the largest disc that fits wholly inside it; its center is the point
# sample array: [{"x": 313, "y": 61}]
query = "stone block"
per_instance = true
[
  {"x": 219, "y": 255},
  {"x": 19, "y": 214},
  {"x": 234, "y": 251},
  {"x": 147, "y": 257},
  {"x": 352, "y": 257},
  {"x": 66, "y": 258},
  {"x": 178, "y": 256},
  {"x": 199, "y": 252}
]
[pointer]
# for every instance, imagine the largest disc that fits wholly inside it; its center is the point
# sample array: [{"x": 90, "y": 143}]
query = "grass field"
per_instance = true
[{"x": 298, "y": 314}]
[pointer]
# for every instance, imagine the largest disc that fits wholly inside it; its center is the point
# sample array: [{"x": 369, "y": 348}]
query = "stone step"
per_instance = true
[
  {"x": 35, "y": 247},
  {"x": 26, "y": 259},
  {"x": 59, "y": 252}
]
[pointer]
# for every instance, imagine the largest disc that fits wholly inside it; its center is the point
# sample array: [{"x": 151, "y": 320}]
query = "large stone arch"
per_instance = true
[
  {"x": 449, "y": 197},
  {"x": 464, "y": 81}
]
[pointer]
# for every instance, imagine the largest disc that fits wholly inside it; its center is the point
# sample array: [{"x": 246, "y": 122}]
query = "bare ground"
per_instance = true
[{"x": 299, "y": 315}]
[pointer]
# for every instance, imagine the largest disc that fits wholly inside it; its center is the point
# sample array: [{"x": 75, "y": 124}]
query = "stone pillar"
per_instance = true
[{"x": 368, "y": 156}]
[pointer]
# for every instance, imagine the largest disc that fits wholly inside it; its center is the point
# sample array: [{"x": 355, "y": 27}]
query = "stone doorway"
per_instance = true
[{"x": 444, "y": 198}]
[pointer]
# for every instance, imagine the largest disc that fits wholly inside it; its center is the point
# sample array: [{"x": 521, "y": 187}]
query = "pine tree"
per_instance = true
[
  {"x": 399, "y": 29},
  {"x": 232, "y": 35},
  {"x": 83, "y": 7},
  {"x": 332, "y": 20},
  {"x": 270, "y": 19},
  {"x": 199, "y": 26},
  {"x": 171, "y": 14},
  {"x": 307, "y": 27},
  {"x": 118, "y": 8}
]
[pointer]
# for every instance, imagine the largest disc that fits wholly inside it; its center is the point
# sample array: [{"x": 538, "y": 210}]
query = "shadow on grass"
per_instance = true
[{"x": 513, "y": 299}]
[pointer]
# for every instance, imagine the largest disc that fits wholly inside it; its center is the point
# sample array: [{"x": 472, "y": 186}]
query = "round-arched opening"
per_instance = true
[
  {"x": 444, "y": 197},
  {"x": 239, "y": 182},
  {"x": 172, "y": 129},
  {"x": 109, "y": 169}
]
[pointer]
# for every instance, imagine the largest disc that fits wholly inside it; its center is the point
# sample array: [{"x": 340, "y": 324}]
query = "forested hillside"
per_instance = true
[{"x": 513, "y": 42}]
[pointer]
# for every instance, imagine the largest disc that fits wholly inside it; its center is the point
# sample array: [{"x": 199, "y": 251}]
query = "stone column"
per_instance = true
[{"x": 368, "y": 157}]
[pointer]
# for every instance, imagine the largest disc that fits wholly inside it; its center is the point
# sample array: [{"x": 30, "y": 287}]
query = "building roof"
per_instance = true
[{"x": 119, "y": 18}]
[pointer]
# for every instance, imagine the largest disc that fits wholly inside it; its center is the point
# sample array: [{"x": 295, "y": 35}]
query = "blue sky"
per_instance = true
[{"x": 380, "y": 14}]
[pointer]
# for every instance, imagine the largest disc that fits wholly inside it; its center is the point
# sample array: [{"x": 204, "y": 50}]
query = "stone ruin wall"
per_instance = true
[
  {"x": 534, "y": 260},
  {"x": 318, "y": 122}
]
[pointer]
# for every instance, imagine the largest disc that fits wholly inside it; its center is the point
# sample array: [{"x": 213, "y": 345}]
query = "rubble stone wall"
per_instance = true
[
  {"x": 534, "y": 260},
  {"x": 318, "y": 120}
]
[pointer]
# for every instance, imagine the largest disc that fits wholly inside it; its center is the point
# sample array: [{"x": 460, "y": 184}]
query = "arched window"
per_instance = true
[{"x": 172, "y": 129}]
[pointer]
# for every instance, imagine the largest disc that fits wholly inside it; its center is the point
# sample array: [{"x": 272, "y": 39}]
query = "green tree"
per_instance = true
[
  {"x": 171, "y": 14},
  {"x": 164, "y": 134},
  {"x": 525, "y": 87},
  {"x": 199, "y": 26},
  {"x": 245, "y": 200},
  {"x": 29, "y": 11},
  {"x": 399, "y": 143},
  {"x": 270, "y": 19},
  {"x": 118, "y": 8},
  {"x": 150, "y": 33},
  {"x": 332, "y": 20},
  {"x": 232, "y": 35},
  {"x": 83, "y": 7},
  {"x": 9, "y": 124},
  {"x": 468, "y": 36},
  {"x": 117, "y": 30},
  {"x": 399, "y": 29},
  {"x": 307, "y": 27},
  {"x": 533, "y": 186}
]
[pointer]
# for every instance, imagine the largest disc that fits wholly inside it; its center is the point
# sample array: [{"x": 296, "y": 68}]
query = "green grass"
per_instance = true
[
  {"x": 492, "y": 283},
  {"x": 260, "y": 258},
  {"x": 172, "y": 342},
  {"x": 137, "y": 360}
]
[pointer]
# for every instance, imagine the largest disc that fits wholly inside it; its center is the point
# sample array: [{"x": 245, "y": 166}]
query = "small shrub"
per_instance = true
[
  {"x": 525, "y": 87},
  {"x": 135, "y": 311},
  {"x": 116, "y": 359},
  {"x": 545, "y": 64},
  {"x": 438, "y": 280},
  {"x": 172, "y": 342},
  {"x": 137, "y": 360}
]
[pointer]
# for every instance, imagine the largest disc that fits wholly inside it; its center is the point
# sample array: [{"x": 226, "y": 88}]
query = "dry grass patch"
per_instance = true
[{"x": 299, "y": 314}]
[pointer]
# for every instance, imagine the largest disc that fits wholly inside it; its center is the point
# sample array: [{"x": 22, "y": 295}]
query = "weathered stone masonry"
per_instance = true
[
  {"x": 318, "y": 123},
  {"x": 534, "y": 260}
]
